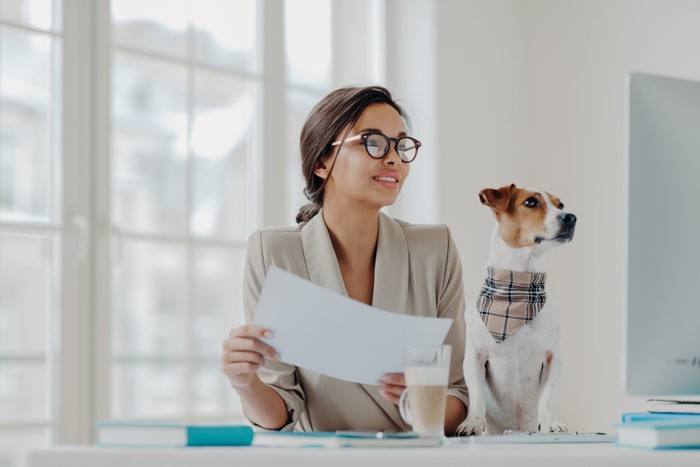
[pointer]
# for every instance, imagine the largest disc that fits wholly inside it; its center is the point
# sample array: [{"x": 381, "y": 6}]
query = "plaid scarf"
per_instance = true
[{"x": 510, "y": 299}]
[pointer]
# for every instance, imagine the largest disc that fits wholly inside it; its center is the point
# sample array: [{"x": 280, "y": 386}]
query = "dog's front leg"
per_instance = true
[
  {"x": 475, "y": 375},
  {"x": 549, "y": 379}
]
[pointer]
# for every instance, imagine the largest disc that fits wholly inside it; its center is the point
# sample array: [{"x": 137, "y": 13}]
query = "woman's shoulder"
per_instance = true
[
  {"x": 276, "y": 236},
  {"x": 277, "y": 246},
  {"x": 439, "y": 233},
  {"x": 426, "y": 240}
]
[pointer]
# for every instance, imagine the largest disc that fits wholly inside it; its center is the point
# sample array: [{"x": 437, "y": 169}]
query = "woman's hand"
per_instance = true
[
  {"x": 243, "y": 353},
  {"x": 391, "y": 386}
]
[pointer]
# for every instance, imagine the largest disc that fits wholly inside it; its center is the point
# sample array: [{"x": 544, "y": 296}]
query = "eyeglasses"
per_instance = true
[{"x": 378, "y": 144}]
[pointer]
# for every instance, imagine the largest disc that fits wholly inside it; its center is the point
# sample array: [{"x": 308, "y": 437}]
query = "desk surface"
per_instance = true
[{"x": 540, "y": 455}]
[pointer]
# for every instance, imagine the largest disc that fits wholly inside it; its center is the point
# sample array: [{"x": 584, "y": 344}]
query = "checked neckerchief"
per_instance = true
[{"x": 510, "y": 299}]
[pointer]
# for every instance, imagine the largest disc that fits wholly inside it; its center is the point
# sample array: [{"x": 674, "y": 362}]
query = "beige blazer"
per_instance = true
[{"x": 417, "y": 272}]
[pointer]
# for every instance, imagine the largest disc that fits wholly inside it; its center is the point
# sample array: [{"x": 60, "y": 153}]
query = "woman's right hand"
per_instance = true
[{"x": 243, "y": 353}]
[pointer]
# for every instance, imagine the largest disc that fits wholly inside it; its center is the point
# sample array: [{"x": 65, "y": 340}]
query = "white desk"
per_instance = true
[{"x": 554, "y": 455}]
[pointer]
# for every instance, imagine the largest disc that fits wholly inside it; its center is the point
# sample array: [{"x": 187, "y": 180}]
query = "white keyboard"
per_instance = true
[{"x": 522, "y": 437}]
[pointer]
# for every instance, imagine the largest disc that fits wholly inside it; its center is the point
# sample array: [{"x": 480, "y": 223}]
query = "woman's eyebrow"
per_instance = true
[{"x": 377, "y": 130}]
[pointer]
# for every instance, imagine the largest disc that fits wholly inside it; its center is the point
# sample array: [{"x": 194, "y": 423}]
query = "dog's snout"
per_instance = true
[{"x": 567, "y": 219}]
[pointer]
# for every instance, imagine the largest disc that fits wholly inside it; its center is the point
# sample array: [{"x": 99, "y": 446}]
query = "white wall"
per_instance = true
[{"x": 532, "y": 92}]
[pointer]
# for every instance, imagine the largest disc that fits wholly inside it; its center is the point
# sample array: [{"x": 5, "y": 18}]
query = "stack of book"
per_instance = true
[{"x": 667, "y": 424}]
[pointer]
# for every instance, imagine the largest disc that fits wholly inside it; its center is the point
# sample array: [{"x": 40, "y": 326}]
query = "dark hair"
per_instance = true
[{"x": 336, "y": 112}]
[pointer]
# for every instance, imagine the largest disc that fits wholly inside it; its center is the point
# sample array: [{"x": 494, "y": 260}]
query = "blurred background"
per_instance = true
[{"x": 143, "y": 140}]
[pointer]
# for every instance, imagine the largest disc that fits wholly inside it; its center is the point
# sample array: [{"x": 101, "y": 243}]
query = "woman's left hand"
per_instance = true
[{"x": 391, "y": 386}]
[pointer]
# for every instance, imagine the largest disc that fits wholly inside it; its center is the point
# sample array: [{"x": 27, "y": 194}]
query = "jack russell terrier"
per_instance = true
[{"x": 513, "y": 359}]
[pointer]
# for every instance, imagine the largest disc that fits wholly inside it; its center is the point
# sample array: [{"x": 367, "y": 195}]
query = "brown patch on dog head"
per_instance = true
[
  {"x": 520, "y": 214},
  {"x": 498, "y": 199}
]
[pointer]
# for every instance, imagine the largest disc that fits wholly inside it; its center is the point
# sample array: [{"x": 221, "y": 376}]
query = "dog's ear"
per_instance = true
[{"x": 497, "y": 199}]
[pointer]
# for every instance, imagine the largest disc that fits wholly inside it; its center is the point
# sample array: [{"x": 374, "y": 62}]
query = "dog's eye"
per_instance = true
[
  {"x": 531, "y": 202},
  {"x": 561, "y": 205}
]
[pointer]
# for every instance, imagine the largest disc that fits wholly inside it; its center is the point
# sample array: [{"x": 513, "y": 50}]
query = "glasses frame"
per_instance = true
[{"x": 366, "y": 135}]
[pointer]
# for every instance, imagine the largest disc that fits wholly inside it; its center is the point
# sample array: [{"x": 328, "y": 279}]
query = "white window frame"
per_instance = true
[{"x": 85, "y": 140}]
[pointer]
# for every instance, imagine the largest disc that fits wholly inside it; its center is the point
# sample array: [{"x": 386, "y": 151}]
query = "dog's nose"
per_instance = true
[{"x": 568, "y": 220}]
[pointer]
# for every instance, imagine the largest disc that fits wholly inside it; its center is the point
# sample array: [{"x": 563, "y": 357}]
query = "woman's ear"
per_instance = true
[{"x": 321, "y": 170}]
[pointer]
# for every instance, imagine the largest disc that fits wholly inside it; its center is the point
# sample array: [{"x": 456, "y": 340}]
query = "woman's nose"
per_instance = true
[{"x": 392, "y": 157}]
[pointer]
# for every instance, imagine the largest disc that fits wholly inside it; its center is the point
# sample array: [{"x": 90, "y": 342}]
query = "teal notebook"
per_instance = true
[
  {"x": 665, "y": 433},
  {"x": 164, "y": 434}
]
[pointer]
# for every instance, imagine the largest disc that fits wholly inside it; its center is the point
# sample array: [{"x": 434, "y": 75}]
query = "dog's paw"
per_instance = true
[
  {"x": 547, "y": 426},
  {"x": 473, "y": 425}
]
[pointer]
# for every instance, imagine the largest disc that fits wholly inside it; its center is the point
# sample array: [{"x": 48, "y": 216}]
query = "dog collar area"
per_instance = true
[{"x": 510, "y": 299}]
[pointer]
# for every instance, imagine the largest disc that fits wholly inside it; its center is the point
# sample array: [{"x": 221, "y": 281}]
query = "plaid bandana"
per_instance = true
[{"x": 510, "y": 299}]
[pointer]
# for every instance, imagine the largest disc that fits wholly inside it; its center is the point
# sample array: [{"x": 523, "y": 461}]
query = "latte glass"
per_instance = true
[{"x": 423, "y": 402}]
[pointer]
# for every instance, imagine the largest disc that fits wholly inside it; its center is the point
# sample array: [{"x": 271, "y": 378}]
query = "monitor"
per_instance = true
[{"x": 662, "y": 248}]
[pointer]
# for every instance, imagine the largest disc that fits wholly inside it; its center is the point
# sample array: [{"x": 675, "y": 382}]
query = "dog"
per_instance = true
[{"x": 512, "y": 359}]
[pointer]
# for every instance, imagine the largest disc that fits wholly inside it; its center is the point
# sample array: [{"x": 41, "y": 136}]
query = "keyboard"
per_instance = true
[{"x": 524, "y": 437}]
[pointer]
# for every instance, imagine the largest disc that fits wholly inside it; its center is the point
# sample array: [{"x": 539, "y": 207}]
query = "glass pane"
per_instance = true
[
  {"x": 149, "y": 157},
  {"x": 213, "y": 395},
  {"x": 308, "y": 41},
  {"x": 222, "y": 146},
  {"x": 28, "y": 265},
  {"x": 148, "y": 390},
  {"x": 218, "y": 297},
  {"x": 299, "y": 104},
  {"x": 155, "y": 26},
  {"x": 23, "y": 390},
  {"x": 225, "y": 33},
  {"x": 34, "y": 13},
  {"x": 218, "y": 308},
  {"x": 149, "y": 299},
  {"x": 15, "y": 442},
  {"x": 28, "y": 179}
]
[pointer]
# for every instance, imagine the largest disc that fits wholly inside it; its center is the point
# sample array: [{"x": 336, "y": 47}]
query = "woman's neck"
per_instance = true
[{"x": 353, "y": 233}]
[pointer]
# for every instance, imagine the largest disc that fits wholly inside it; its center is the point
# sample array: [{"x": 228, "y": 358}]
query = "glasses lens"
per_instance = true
[
  {"x": 376, "y": 145},
  {"x": 407, "y": 149}
]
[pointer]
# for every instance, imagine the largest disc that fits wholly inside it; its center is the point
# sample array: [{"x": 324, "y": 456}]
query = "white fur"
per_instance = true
[{"x": 512, "y": 384}]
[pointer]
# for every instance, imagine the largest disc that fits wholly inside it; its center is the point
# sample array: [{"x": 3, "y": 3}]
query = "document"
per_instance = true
[{"x": 320, "y": 330}]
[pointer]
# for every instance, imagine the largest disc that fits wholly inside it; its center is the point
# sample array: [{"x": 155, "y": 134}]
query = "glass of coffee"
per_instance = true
[{"x": 422, "y": 404}]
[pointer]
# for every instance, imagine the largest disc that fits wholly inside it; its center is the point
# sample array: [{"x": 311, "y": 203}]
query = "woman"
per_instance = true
[{"x": 355, "y": 158}]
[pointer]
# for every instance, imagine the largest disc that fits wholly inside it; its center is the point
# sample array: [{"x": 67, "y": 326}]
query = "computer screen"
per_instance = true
[{"x": 662, "y": 257}]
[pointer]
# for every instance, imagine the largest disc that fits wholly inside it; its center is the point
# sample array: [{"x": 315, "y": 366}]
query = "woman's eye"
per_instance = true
[{"x": 531, "y": 203}]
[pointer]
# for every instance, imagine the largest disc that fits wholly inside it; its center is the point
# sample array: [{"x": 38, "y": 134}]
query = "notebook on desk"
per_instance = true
[{"x": 526, "y": 437}]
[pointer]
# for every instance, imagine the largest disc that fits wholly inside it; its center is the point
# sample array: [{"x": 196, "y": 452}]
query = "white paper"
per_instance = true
[{"x": 320, "y": 330}]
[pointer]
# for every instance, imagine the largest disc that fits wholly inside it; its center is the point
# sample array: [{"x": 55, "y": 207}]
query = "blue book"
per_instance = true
[
  {"x": 654, "y": 434},
  {"x": 164, "y": 434},
  {"x": 644, "y": 416}
]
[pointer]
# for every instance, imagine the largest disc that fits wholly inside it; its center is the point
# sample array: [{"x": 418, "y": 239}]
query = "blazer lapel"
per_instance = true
[
  {"x": 391, "y": 267},
  {"x": 321, "y": 261},
  {"x": 390, "y": 290}
]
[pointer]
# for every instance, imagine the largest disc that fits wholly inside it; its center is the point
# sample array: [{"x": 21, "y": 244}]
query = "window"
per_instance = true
[
  {"x": 30, "y": 220},
  {"x": 186, "y": 93},
  {"x": 181, "y": 137}
]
